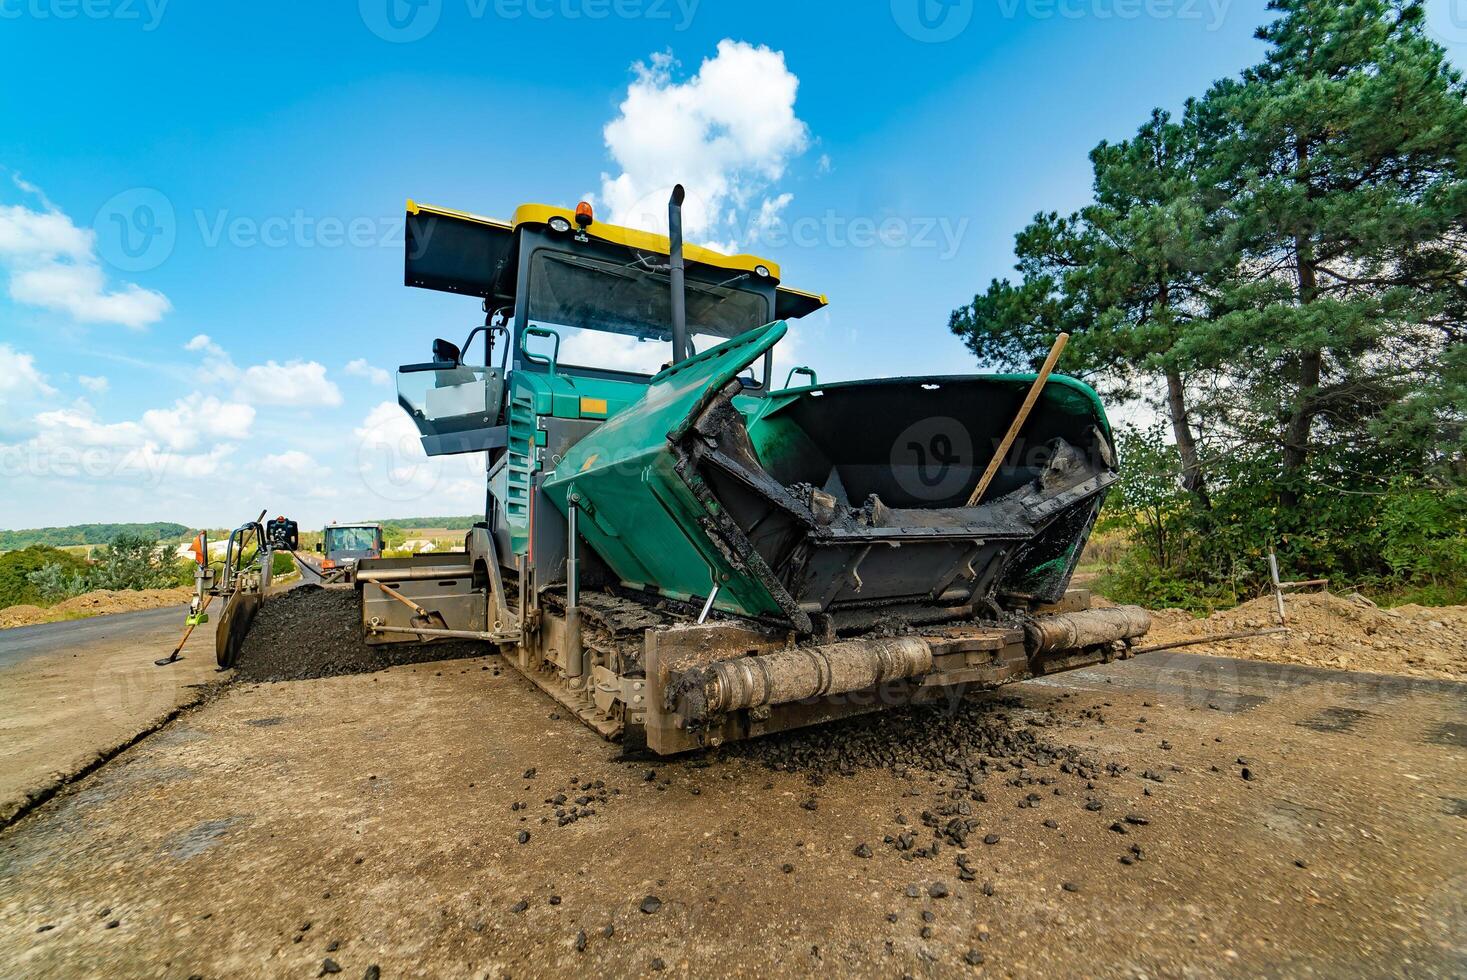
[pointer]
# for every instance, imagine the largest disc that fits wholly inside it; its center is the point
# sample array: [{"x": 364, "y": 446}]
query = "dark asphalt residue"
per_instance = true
[
  {"x": 312, "y": 631},
  {"x": 1334, "y": 720},
  {"x": 976, "y": 733}
]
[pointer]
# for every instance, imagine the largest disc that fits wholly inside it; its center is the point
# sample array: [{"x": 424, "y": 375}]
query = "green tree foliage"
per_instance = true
[
  {"x": 1124, "y": 276},
  {"x": 1281, "y": 273},
  {"x": 17, "y": 567},
  {"x": 1341, "y": 162},
  {"x": 80, "y": 534},
  {"x": 134, "y": 561}
]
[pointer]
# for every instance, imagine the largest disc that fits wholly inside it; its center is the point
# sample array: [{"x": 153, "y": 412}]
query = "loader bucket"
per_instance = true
[{"x": 840, "y": 498}]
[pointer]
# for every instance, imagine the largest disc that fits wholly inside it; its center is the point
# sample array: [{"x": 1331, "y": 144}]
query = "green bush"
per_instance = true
[
  {"x": 1424, "y": 535},
  {"x": 134, "y": 561},
  {"x": 55, "y": 583},
  {"x": 1407, "y": 542},
  {"x": 16, "y": 568}
]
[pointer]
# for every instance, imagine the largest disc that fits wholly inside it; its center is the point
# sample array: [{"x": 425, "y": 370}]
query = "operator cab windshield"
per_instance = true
[
  {"x": 630, "y": 306},
  {"x": 350, "y": 540}
]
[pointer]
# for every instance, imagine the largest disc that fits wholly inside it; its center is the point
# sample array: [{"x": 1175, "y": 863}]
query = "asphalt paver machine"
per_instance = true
[{"x": 683, "y": 550}]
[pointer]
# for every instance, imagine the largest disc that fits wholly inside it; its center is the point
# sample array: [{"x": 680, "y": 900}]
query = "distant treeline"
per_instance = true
[
  {"x": 447, "y": 523},
  {"x": 94, "y": 534},
  {"x": 78, "y": 534}
]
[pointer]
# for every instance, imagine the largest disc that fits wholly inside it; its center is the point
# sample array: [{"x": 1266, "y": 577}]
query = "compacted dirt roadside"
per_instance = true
[{"x": 1171, "y": 815}]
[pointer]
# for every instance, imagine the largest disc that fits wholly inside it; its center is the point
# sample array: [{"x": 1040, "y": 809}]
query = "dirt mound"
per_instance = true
[
  {"x": 21, "y": 616},
  {"x": 101, "y": 603},
  {"x": 1346, "y": 632},
  {"x": 312, "y": 631}
]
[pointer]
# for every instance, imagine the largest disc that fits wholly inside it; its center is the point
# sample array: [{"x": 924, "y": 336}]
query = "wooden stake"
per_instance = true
[{"x": 1020, "y": 419}]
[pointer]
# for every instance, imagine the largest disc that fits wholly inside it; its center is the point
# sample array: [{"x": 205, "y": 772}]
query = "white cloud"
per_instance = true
[
  {"x": 189, "y": 422},
  {"x": 53, "y": 265},
  {"x": 79, "y": 426},
  {"x": 72, "y": 443},
  {"x": 296, "y": 384},
  {"x": 96, "y": 385},
  {"x": 292, "y": 462},
  {"x": 614, "y": 352},
  {"x": 726, "y": 134},
  {"x": 80, "y": 290},
  {"x": 361, "y": 369},
  {"x": 295, "y": 475},
  {"x": 157, "y": 464},
  {"x": 393, "y": 468},
  {"x": 199, "y": 417},
  {"x": 19, "y": 377},
  {"x": 768, "y": 217},
  {"x": 219, "y": 368}
]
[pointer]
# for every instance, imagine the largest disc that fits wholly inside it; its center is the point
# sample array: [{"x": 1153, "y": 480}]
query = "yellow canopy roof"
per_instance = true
[{"x": 793, "y": 302}]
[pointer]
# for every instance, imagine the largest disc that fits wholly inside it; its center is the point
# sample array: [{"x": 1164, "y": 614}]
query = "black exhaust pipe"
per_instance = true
[{"x": 677, "y": 274}]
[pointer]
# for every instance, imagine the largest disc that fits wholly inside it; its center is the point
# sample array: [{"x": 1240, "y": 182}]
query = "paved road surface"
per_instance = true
[{"x": 144, "y": 626}]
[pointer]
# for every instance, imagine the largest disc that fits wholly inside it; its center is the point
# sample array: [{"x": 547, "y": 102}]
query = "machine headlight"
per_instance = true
[
  {"x": 762, "y": 271},
  {"x": 559, "y": 225}
]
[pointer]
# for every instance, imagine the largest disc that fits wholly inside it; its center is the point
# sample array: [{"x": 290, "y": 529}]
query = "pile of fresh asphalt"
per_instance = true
[{"x": 312, "y": 631}]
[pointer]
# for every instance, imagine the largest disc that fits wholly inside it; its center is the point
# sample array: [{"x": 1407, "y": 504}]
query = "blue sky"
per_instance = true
[{"x": 266, "y": 150}]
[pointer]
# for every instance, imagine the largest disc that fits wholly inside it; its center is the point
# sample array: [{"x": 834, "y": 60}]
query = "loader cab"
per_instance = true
[
  {"x": 343, "y": 545},
  {"x": 583, "y": 306}
]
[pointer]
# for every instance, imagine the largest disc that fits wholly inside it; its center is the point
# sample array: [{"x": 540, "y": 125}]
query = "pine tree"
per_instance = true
[
  {"x": 1342, "y": 161},
  {"x": 1124, "y": 276}
]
